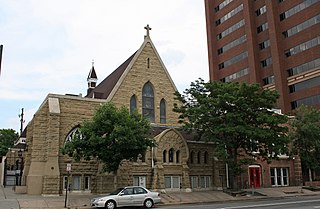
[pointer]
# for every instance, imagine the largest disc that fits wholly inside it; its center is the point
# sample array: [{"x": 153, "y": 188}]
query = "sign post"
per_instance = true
[{"x": 67, "y": 184}]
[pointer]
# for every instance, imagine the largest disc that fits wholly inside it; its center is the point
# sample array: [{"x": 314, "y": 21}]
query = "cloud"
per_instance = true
[{"x": 49, "y": 45}]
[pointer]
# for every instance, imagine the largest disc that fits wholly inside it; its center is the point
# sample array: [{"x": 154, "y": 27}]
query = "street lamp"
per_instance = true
[{"x": 21, "y": 165}]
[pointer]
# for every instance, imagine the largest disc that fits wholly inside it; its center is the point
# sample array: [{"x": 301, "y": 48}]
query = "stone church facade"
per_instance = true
[
  {"x": 143, "y": 83},
  {"x": 179, "y": 161}
]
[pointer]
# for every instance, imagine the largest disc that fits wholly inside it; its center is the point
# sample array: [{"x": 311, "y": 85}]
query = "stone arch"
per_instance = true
[
  {"x": 66, "y": 131},
  {"x": 171, "y": 139}
]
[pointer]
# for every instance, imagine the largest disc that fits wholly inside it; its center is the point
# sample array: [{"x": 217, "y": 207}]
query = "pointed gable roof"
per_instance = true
[
  {"x": 103, "y": 90},
  {"x": 107, "y": 88}
]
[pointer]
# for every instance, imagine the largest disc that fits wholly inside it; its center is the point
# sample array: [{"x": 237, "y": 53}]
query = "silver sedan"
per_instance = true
[{"x": 128, "y": 196}]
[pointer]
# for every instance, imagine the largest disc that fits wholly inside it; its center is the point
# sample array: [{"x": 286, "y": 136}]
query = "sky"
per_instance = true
[{"x": 49, "y": 46}]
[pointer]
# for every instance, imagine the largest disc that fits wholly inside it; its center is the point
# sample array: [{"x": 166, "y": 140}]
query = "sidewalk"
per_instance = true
[{"x": 10, "y": 200}]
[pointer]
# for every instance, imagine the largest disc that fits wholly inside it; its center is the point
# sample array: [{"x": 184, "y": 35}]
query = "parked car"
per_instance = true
[{"x": 127, "y": 196}]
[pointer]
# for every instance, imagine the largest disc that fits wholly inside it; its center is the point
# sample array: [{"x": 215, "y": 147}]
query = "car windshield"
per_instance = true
[{"x": 116, "y": 191}]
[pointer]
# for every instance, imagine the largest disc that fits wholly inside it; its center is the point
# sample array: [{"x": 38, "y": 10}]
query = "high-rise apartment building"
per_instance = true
[{"x": 275, "y": 43}]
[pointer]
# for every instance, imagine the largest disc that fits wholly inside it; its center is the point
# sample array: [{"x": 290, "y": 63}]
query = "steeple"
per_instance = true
[{"x": 92, "y": 79}]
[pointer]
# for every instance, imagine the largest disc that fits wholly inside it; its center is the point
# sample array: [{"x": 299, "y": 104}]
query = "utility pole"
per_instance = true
[
  {"x": 21, "y": 121},
  {"x": 1, "y": 49}
]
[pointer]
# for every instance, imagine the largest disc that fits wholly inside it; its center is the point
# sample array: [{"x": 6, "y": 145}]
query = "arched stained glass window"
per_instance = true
[
  {"x": 171, "y": 153},
  {"x": 163, "y": 117},
  {"x": 164, "y": 156},
  {"x": 148, "y": 102},
  {"x": 133, "y": 103},
  {"x": 178, "y": 156},
  {"x": 75, "y": 132},
  {"x": 198, "y": 157}
]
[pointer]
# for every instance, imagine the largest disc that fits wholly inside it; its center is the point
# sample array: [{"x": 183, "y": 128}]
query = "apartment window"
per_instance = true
[
  {"x": 302, "y": 26},
  {"x": 264, "y": 44},
  {"x": 262, "y": 27},
  {"x": 261, "y": 11},
  {"x": 233, "y": 60},
  {"x": 304, "y": 84},
  {"x": 268, "y": 80},
  {"x": 304, "y": 67},
  {"x": 297, "y": 8},
  {"x": 236, "y": 75},
  {"x": 279, "y": 176},
  {"x": 232, "y": 44},
  {"x": 221, "y": 66},
  {"x": 223, "y": 4},
  {"x": 230, "y": 14},
  {"x": 266, "y": 62},
  {"x": 308, "y": 101},
  {"x": 231, "y": 29},
  {"x": 302, "y": 47}
]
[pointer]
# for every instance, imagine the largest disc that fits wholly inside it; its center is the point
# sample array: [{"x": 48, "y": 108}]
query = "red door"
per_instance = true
[{"x": 254, "y": 177}]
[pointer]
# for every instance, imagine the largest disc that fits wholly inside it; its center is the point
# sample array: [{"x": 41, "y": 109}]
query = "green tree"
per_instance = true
[
  {"x": 7, "y": 139},
  {"x": 306, "y": 137},
  {"x": 238, "y": 118},
  {"x": 111, "y": 136}
]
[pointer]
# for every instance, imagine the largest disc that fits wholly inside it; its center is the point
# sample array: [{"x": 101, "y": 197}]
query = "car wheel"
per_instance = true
[
  {"x": 148, "y": 203},
  {"x": 110, "y": 204}
]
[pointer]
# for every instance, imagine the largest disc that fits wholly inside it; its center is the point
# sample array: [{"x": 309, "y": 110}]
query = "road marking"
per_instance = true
[{"x": 272, "y": 204}]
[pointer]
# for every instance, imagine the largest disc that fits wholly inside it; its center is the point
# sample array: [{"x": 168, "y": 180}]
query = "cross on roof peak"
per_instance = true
[{"x": 148, "y": 29}]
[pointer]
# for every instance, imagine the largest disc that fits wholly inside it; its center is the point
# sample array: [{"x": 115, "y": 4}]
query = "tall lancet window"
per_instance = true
[
  {"x": 148, "y": 102},
  {"x": 148, "y": 63},
  {"x": 163, "y": 118},
  {"x": 133, "y": 103}
]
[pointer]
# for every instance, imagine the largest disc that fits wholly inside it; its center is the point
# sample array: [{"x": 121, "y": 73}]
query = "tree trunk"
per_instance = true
[
  {"x": 310, "y": 175},
  {"x": 233, "y": 169}
]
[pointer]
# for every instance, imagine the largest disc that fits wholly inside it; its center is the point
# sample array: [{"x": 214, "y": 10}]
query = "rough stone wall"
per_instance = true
[
  {"x": 212, "y": 168},
  {"x": 36, "y": 155},
  {"x": 74, "y": 111},
  {"x": 139, "y": 75}
]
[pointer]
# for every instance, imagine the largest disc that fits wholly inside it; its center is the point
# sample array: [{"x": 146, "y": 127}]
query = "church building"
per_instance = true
[
  {"x": 142, "y": 82},
  {"x": 178, "y": 162}
]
